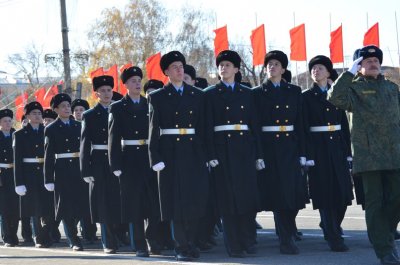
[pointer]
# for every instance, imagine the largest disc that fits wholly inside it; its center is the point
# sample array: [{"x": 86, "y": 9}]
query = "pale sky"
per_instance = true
[{"x": 38, "y": 21}]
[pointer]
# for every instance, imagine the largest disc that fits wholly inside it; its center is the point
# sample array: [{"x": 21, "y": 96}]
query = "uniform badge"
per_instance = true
[{"x": 371, "y": 50}]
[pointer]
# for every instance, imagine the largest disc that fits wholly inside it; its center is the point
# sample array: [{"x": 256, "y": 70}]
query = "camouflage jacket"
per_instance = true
[{"x": 374, "y": 113}]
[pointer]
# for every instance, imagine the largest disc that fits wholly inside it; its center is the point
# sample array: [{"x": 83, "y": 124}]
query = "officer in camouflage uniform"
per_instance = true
[{"x": 373, "y": 104}]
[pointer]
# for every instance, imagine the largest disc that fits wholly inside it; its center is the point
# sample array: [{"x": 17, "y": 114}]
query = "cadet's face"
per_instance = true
[
  {"x": 63, "y": 110},
  {"x": 134, "y": 85},
  {"x": 35, "y": 116},
  {"x": 188, "y": 80},
  {"x": 78, "y": 111},
  {"x": 274, "y": 69},
  {"x": 319, "y": 73},
  {"x": 104, "y": 93},
  {"x": 370, "y": 67},
  {"x": 227, "y": 70},
  {"x": 5, "y": 124},
  {"x": 175, "y": 72},
  {"x": 47, "y": 121}
]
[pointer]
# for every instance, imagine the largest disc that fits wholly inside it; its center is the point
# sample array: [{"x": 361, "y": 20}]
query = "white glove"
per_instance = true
[
  {"x": 310, "y": 163},
  {"x": 88, "y": 179},
  {"x": 355, "y": 67},
  {"x": 20, "y": 190},
  {"x": 260, "y": 165},
  {"x": 349, "y": 159},
  {"x": 214, "y": 163},
  {"x": 159, "y": 166},
  {"x": 303, "y": 161},
  {"x": 49, "y": 186},
  {"x": 117, "y": 173}
]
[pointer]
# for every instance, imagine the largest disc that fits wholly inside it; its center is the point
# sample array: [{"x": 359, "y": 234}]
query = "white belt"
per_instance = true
[
  {"x": 329, "y": 128},
  {"x": 282, "y": 128},
  {"x": 67, "y": 155},
  {"x": 2, "y": 165},
  {"x": 231, "y": 127},
  {"x": 33, "y": 160},
  {"x": 99, "y": 147},
  {"x": 180, "y": 131},
  {"x": 134, "y": 142}
]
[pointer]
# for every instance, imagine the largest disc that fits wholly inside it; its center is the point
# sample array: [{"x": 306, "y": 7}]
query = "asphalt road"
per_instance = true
[{"x": 313, "y": 248}]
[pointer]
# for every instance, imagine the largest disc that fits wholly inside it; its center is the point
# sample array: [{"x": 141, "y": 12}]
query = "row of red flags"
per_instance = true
[{"x": 297, "y": 42}]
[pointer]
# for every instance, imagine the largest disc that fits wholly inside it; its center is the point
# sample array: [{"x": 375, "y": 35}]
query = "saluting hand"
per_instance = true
[{"x": 355, "y": 67}]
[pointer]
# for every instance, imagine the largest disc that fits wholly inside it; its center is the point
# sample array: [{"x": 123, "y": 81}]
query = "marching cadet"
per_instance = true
[
  {"x": 206, "y": 224},
  {"x": 35, "y": 201},
  {"x": 88, "y": 229},
  {"x": 176, "y": 135},
  {"x": 373, "y": 104},
  {"x": 234, "y": 153},
  {"x": 279, "y": 106},
  {"x": 129, "y": 161},
  {"x": 328, "y": 147},
  {"x": 61, "y": 168},
  {"x": 151, "y": 85},
  {"x": 95, "y": 170},
  {"x": 78, "y": 106},
  {"x": 9, "y": 200},
  {"x": 48, "y": 117}
]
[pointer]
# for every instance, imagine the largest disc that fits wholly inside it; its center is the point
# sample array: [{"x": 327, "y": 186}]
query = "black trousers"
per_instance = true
[
  {"x": 109, "y": 235},
  {"x": 26, "y": 229},
  {"x": 184, "y": 234},
  {"x": 71, "y": 231},
  {"x": 88, "y": 229},
  {"x": 239, "y": 231},
  {"x": 285, "y": 223},
  {"x": 41, "y": 229},
  {"x": 9, "y": 228},
  {"x": 137, "y": 235},
  {"x": 331, "y": 220}
]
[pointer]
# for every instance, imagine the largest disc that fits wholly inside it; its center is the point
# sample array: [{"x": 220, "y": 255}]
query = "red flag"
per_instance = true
[
  {"x": 371, "y": 37},
  {"x": 20, "y": 103},
  {"x": 97, "y": 72},
  {"x": 51, "y": 92},
  {"x": 258, "y": 44},
  {"x": 153, "y": 68},
  {"x": 122, "y": 87},
  {"x": 336, "y": 45},
  {"x": 39, "y": 95},
  {"x": 113, "y": 71},
  {"x": 298, "y": 43},
  {"x": 221, "y": 40}
]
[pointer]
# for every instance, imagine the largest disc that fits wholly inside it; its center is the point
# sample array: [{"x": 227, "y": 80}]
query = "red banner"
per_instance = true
[
  {"x": 258, "y": 44},
  {"x": 298, "y": 43}
]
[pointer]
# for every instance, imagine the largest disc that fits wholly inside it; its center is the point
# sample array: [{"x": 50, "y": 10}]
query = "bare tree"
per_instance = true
[
  {"x": 132, "y": 34},
  {"x": 194, "y": 39}
]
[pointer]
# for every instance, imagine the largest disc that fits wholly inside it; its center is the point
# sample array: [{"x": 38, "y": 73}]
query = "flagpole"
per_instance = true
[
  {"x": 367, "y": 22},
  {"x": 397, "y": 35},
  {"x": 294, "y": 25},
  {"x": 342, "y": 50}
]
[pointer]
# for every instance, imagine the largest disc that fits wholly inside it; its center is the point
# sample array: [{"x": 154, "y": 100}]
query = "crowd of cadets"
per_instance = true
[{"x": 160, "y": 171}]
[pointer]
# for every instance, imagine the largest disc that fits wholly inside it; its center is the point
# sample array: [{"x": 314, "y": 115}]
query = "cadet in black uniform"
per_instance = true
[
  {"x": 35, "y": 200},
  {"x": 9, "y": 200},
  {"x": 104, "y": 187},
  {"x": 279, "y": 106},
  {"x": 234, "y": 153},
  {"x": 177, "y": 154},
  {"x": 328, "y": 146},
  {"x": 61, "y": 168},
  {"x": 129, "y": 161},
  {"x": 48, "y": 116}
]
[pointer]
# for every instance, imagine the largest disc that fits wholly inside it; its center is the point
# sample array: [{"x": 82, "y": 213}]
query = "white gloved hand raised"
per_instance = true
[
  {"x": 260, "y": 165},
  {"x": 88, "y": 179},
  {"x": 355, "y": 67},
  {"x": 213, "y": 163},
  {"x": 303, "y": 161},
  {"x": 310, "y": 163},
  {"x": 117, "y": 173},
  {"x": 20, "y": 190},
  {"x": 159, "y": 166},
  {"x": 49, "y": 186}
]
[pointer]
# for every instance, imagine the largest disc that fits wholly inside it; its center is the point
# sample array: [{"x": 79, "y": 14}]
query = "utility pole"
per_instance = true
[{"x": 66, "y": 59}]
